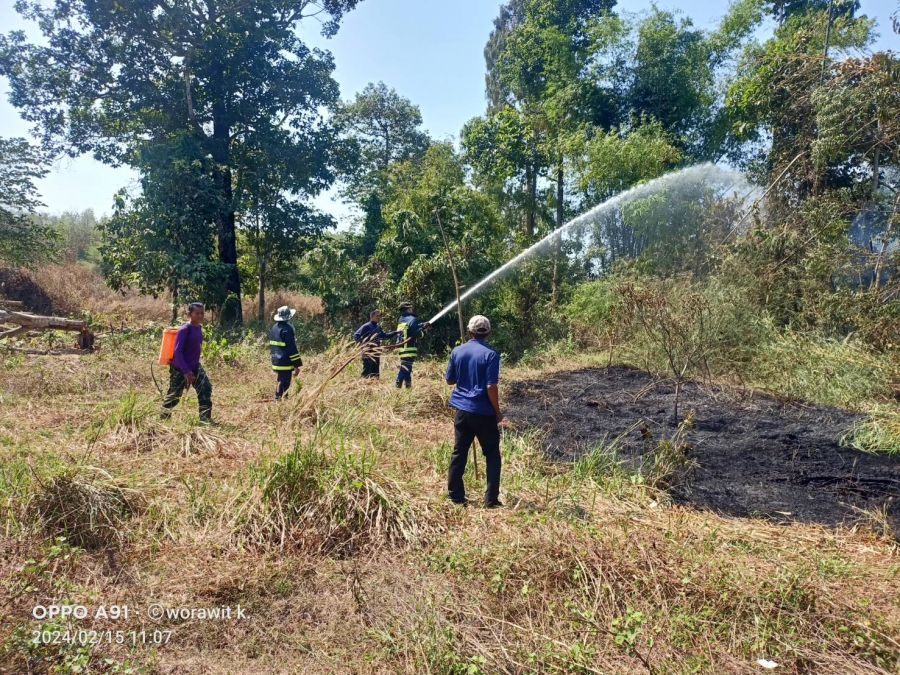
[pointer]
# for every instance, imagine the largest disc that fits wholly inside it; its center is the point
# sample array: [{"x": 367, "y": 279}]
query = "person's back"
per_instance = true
[
  {"x": 409, "y": 330},
  {"x": 476, "y": 365},
  {"x": 474, "y": 369}
]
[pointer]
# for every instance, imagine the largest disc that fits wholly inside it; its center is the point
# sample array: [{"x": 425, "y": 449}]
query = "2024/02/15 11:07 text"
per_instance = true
[{"x": 96, "y": 637}]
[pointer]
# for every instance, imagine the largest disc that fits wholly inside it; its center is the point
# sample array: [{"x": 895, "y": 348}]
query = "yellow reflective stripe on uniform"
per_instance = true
[
  {"x": 282, "y": 367},
  {"x": 411, "y": 351},
  {"x": 295, "y": 357},
  {"x": 273, "y": 343}
]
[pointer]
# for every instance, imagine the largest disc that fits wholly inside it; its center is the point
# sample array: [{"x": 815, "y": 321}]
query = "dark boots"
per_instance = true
[{"x": 206, "y": 413}]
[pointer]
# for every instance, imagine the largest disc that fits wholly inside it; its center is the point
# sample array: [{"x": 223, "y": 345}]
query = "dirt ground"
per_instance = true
[{"x": 757, "y": 456}]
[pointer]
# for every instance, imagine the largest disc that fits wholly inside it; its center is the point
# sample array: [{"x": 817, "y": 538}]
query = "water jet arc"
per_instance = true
[{"x": 700, "y": 172}]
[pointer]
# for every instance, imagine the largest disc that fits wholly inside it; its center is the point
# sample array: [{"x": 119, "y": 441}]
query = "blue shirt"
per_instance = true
[
  {"x": 372, "y": 331},
  {"x": 473, "y": 366}
]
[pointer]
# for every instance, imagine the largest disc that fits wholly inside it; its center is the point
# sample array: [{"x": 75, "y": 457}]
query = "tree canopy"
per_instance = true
[
  {"x": 108, "y": 78},
  {"x": 24, "y": 240}
]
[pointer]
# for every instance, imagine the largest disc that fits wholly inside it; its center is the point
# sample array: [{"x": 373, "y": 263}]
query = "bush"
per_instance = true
[
  {"x": 329, "y": 505},
  {"x": 22, "y": 287},
  {"x": 88, "y": 507}
]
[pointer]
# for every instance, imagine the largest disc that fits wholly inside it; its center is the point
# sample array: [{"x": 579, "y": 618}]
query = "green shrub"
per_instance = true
[{"x": 878, "y": 432}]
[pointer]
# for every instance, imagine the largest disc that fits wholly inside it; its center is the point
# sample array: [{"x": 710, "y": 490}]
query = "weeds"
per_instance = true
[
  {"x": 329, "y": 505},
  {"x": 878, "y": 432},
  {"x": 588, "y": 569},
  {"x": 88, "y": 507},
  {"x": 669, "y": 463}
]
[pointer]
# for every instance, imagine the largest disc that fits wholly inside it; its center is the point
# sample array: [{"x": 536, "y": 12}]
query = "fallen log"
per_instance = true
[
  {"x": 24, "y": 322},
  {"x": 35, "y": 321},
  {"x": 44, "y": 352}
]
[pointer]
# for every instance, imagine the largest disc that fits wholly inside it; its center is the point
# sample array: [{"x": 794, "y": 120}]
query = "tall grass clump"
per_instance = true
[
  {"x": 88, "y": 506},
  {"x": 332, "y": 505},
  {"x": 128, "y": 423},
  {"x": 877, "y": 432},
  {"x": 823, "y": 370}
]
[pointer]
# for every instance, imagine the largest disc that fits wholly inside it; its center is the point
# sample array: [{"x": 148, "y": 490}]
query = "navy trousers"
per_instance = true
[{"x": 467, "y": 427}]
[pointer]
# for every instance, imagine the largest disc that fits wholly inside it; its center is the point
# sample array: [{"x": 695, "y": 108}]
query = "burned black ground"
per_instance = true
[{"x": 757, "y": 456}]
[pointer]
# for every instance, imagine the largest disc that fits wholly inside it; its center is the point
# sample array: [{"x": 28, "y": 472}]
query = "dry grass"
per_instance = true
[
  {"x": 75, "y": 289},
  {"x": 306, "y": 305},
  {"x": 322, "y": 516},
  {"x": 332, "y": 505},
  {"x": 88, "y": 507}
]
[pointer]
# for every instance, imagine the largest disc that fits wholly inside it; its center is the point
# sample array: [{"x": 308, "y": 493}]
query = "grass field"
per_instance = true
[{"x": 323, "y": 518}]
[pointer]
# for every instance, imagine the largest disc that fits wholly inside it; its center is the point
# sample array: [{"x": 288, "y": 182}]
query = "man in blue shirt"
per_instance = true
[
  {"x": 370, "y": 335},
  {"x": 474, "y": 369}
]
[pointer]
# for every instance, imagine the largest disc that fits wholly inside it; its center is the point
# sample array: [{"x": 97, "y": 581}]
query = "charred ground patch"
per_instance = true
[{"x": 757, "y": 456}]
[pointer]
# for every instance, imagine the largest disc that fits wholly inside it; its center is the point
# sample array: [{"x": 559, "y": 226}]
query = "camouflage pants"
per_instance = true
[{"x": 178, "y": 386}]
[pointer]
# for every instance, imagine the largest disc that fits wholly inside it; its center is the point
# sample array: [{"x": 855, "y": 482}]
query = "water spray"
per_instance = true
[{"x": 697, "y": 173}]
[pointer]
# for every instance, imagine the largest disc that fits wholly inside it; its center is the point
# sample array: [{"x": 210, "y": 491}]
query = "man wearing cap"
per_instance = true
[
  {"x": 370, "y": 335},
  {"x": 286, "y": 359},
  {"x": 474, "y": 369},
  {"x": 409, "y": 330}
]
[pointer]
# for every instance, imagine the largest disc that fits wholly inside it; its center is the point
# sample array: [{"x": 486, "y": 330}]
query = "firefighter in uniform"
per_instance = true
[
  {"x": 409, "y": 329},
  {"x": 286, "y": 359}
]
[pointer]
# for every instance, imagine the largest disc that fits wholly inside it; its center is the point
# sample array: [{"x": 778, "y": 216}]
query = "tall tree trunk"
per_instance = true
[
  {"x": 226, "y": 219},
  {"x": 876, "y": 173},
  {"x": 531, "y": 199},
  {"x": 557, "y": 240},
  {"x": 228, "y": 250},
  {"x": 262, "y": 260},
  {"x": 174, "y": 304}
]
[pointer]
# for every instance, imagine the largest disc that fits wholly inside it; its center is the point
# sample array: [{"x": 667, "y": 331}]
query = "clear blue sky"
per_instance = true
[{"x": 428, "y": 50}]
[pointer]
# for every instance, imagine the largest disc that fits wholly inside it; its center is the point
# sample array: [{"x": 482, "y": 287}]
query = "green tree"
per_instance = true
[
  {"x": 505, "y": 155},
  {"x": 277, "y": 224},
  {"x": 660, "y": 68},
  {"x": 163, "y": 241},
  {"x": 535, "y": 57},
  {"x": 614, "y": 161},
  {"x": 349, "y": 287},
  {"x": 108, "y": 76},
  {"x": 429, "y": 195},
  {"x": 24, "y": 239},
  {"x": 783, "y": 10},
  {"x": 373, "y": 224},
  {"x": 541, "y": 65},
  {"x": 772, "y": 104},
  {"x": 386, "y": 128},
  {"x": 423, "y": 191},
  {"x": 78, "y": 233}
]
